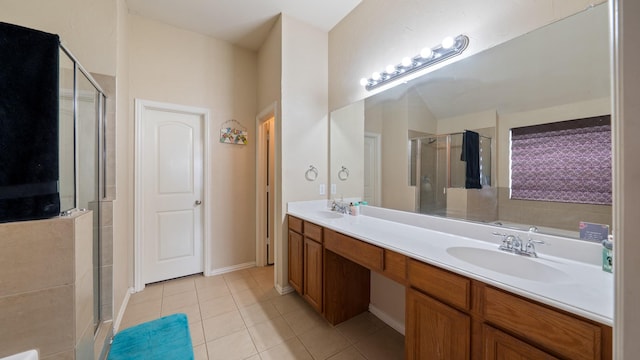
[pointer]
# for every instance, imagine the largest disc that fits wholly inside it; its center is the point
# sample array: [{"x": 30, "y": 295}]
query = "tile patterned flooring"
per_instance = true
[{"x": 240, "y": 315}]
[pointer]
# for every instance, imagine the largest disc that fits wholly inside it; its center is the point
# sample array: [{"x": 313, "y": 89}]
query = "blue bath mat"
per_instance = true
[{"x": 166, "y": 338}]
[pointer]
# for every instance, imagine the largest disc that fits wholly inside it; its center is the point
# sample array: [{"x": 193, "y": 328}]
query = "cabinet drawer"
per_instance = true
[
  {"x": 499, "y": 345},
  {"x": 295, "y": 224},
  {"x": 313, "y": 231},
  {"x": 558, "y": 332},
  {"x": 450, "y": 288},
  {"x": 395, "y": 266},
  {"x": 367, "y": 255}
]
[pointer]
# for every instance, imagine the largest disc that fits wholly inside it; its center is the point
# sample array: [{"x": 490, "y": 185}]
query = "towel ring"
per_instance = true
[
  {"x": 343, "y": 174},
  {"x": 311, "y": 174}
]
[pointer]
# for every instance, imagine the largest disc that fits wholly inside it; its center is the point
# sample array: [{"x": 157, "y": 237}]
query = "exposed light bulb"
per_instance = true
[
  {"x": 390, "y": 69},
  {"x": 406, "y": 61},
  {"x": 375, "y": 76},
  {"x": 448, "y": 42},
  {"x": 364, "y": 81},
  {"x": 426, "y": 53}
]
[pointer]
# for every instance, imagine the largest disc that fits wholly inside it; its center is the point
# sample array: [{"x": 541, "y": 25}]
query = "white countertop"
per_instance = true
[{"x": 582, "y": 289}]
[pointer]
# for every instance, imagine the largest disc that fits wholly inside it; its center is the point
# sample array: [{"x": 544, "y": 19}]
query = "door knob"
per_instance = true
[{"x": 198, "y": 202}]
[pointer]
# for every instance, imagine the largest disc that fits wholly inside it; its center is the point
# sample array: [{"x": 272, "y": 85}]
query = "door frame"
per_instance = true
[
  {"x": 269, "y": 112},
  {"x": 138, "y": 244},
  {"x": 377, "y": 138}
]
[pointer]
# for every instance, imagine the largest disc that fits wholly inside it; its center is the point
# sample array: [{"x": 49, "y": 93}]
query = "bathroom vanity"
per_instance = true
[{"x": 464, "y": 298}]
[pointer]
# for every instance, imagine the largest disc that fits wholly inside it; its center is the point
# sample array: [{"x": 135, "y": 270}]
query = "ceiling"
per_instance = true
[{"x": 245, "y": 23}]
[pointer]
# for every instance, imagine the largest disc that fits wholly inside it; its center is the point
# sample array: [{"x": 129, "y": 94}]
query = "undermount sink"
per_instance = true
[
  {"x": 508, "y": 264},
  {"x": 329, "y": 214}
]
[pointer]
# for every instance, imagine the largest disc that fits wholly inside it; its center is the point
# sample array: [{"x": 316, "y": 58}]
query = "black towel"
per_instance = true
[
  {"x": 28, "y": 124},
  {"x": 471, "y": 154}
]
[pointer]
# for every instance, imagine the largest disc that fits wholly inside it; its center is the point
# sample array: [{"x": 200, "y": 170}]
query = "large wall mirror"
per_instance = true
[{"x": 402, "y": 147}]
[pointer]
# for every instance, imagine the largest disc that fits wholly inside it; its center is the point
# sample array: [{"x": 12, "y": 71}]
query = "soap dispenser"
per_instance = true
[{"x": 607, "y": 254}]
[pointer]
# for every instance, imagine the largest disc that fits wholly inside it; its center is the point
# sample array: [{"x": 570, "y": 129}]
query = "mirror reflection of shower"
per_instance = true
[{"x": 436, "y": 166}]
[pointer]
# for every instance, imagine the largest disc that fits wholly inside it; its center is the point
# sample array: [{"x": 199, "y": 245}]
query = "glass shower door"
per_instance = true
[{"x": 88, "y": 122}]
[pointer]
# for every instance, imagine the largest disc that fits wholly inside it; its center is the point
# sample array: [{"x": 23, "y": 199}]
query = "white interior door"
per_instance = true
[
  {"x": 372, "y": 190},
  {"x": 172, "y": 194}
]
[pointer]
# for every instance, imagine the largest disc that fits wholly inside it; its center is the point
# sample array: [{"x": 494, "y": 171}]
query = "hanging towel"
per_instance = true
[
  {"x": 471, "y": 154},
  {"x": 28, "y": 124}
]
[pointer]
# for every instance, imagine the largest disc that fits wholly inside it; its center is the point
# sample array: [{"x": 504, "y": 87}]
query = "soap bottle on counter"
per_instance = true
[
  {"x": 354, "y": 209},
  {"x": 607, "y": 254}
]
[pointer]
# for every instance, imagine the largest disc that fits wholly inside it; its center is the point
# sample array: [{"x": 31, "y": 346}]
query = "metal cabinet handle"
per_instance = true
[{"x": 198, "y": 202}]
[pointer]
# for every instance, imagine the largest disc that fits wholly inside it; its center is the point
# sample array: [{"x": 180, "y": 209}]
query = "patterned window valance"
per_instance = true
[{"x": 568, "y": 161}]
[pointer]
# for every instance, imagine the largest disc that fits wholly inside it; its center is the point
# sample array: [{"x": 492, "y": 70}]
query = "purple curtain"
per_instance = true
[{"x": 568, "y": 161}]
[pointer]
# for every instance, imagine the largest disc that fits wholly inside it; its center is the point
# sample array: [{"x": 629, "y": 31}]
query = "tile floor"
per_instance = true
[{"x": 240, "y": 315}]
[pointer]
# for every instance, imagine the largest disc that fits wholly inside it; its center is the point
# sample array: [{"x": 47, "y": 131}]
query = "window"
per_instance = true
[{"x": 567, "y": 161}]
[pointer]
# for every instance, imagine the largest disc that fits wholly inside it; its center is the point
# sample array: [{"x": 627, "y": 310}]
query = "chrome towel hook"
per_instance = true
[
  {"x": 311, "y": 174},
  {"x": 343, "y": 174}
]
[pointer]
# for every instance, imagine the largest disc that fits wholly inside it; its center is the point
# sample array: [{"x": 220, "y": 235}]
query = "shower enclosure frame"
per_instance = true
[
  {"x": 415, "y": 163},
  {"x": 100, "y": 156}
]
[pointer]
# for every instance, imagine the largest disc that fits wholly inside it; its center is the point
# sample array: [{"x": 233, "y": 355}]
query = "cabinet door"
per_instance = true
[
  {"x": 313, "y": 273},
  {"x": 500, "y": 346},
  {"x": 296, "y": 254},
  {"x": 435, "y": 330}
]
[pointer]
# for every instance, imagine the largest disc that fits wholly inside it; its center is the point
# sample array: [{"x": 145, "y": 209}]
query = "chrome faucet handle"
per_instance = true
[
  {"x": 516, "y": 243},
  {"x": 503, "y": 235},
  {"x": 507, "y": 242},
  {"x": 531, "y": 247}
]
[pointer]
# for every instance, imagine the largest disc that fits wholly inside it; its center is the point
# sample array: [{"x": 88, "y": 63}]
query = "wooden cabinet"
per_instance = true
[
  {"x": 296, "y": 255},
  {"x": 563, "y": 334},
  {"x": 395, "y": 266},
  {"x": 435, "y": 331},
  {"x": 360, "y": 252},
  {"x": 313, "y": 273},
  {"x": 498, "y": 345},
  {"x": 306, "y": 260},
  {"x": 448, "y": 316},
  {"x": 502, "y": 325},
  {"x": 451, "y": 288}
]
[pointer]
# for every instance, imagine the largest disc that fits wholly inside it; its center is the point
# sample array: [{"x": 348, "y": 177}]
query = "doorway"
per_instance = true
[
  {"x": 266, "y": 188},
  {"x": 171, "y": 204}
]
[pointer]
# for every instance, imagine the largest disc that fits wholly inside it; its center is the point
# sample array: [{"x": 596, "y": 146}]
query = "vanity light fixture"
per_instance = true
[{"x": 449, "y": 48}]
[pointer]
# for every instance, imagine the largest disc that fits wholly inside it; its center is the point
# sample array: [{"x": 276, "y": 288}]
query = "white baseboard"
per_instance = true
[
  {"x": 229, "y": 269},
  {"x": 123, "y": 308},
  {"x": 283, "y": 290},
  {"x": 395, "y": 324}
]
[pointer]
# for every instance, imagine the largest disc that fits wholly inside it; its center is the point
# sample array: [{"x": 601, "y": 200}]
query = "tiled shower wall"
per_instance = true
[{"x": 46, "y": 297}]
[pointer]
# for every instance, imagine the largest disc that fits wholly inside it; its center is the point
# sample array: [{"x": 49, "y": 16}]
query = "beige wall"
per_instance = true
[
  {"x": 396, "y": 192},
  {"x": 270, "y": 68},
  {"x": 304, "y": 121},
  {"x": 86, "y": 27},
  {"x": 270, "y": 93},
  {"x": 123, "y": 201},
  {"x": 347, "y": 149},
  {"x": 176, "y": 66}
]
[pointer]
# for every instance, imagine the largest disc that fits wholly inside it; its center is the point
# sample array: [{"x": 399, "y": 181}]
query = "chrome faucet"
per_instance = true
[
  {"x": 513, "y": 244},
  {"x": 340, "y": 207}
]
